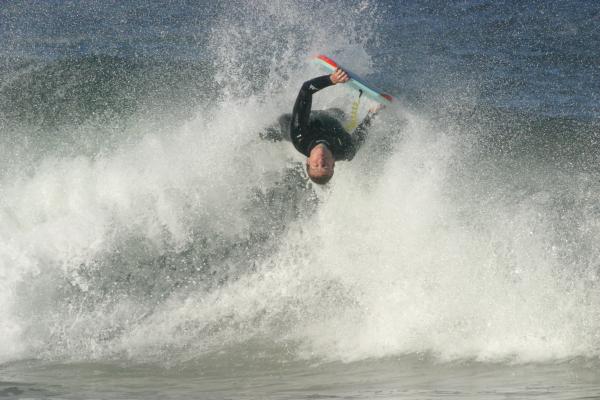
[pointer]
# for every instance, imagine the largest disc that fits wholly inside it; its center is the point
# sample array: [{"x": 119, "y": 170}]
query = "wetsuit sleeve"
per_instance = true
[
  {"x": 303, "y": 104},
  {"x": 360, "y": 134}
]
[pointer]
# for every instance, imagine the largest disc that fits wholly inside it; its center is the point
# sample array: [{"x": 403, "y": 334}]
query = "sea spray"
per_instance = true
[{"x": 179, "y": 238}]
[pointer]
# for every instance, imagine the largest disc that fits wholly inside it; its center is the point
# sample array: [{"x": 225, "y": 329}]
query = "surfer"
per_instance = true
[{"x": 319, "y": 135}]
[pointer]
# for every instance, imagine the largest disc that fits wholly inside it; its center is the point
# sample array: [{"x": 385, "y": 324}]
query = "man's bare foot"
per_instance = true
[{"x": 376, "y": 109}]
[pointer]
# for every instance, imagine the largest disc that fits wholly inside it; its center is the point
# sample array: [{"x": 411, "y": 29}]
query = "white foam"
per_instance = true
[{"x": 410, "y": 250}]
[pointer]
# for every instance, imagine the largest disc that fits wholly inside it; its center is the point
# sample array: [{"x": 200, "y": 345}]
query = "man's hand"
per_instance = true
[{"x": 339, "y": 76}]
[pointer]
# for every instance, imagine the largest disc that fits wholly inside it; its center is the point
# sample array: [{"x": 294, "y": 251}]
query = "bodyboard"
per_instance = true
[{"x": 356, "y": 82}]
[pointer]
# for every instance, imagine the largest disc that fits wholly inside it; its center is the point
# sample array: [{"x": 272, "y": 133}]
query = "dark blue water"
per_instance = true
[
  {"x": 538, "y": 57},
  {"x": 152, "y": 246}
]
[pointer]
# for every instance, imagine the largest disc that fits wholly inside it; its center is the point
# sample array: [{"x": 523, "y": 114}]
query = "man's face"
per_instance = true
[{"x": 321, "y": 161}]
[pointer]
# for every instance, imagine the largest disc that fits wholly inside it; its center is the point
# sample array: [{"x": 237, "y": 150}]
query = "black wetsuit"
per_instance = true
[{"x": 306, "y": 129}]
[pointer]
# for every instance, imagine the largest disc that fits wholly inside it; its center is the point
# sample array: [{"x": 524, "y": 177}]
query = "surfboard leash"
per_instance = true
[{"x": 354, "y": 113}]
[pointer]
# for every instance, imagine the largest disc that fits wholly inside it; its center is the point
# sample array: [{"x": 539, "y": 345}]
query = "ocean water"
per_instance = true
[{"x": 153, "y": 247}]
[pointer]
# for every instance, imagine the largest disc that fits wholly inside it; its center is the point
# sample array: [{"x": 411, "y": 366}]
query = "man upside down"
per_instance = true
[{"x": 319, "y": 135}]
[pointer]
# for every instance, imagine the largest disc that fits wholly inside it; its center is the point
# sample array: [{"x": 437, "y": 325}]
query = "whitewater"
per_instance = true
[{"x": 153, "y": 246}]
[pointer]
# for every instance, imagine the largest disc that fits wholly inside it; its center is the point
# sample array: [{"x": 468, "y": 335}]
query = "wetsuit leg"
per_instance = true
[
  {"x": 278, "y": 131},
  {"x": 285, "y": 121}
]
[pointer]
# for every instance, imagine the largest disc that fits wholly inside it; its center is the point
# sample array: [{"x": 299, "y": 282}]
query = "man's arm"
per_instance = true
[
  {"x": 303, "y": 104},
  {"x": 360, "y": 133}
]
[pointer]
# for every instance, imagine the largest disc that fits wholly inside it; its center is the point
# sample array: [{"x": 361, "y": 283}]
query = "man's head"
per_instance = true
[{"x": 320, "y": 164}]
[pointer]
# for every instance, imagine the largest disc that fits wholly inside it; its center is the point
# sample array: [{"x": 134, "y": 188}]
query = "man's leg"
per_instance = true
[
  {"x": 285, "y": 123},
  {"x": 278, "y": 131}
]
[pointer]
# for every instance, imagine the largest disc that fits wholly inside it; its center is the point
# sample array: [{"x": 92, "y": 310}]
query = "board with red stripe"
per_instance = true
[{"x": 356, "y": 82}]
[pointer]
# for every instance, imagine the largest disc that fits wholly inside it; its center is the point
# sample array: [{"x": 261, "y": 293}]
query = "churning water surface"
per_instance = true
[{"x": 152, "y": 246}]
